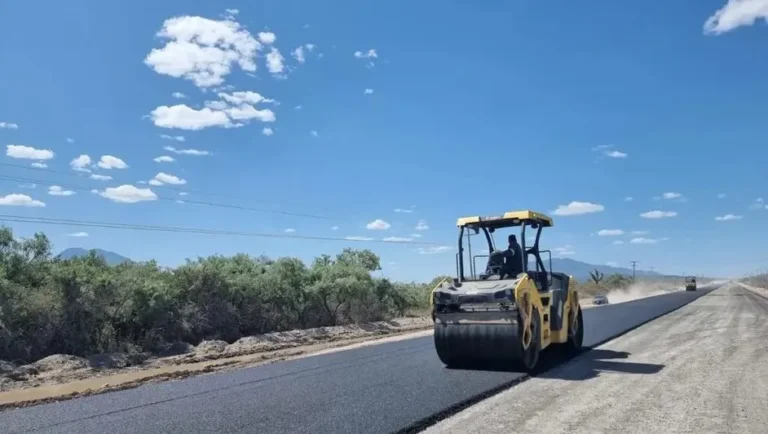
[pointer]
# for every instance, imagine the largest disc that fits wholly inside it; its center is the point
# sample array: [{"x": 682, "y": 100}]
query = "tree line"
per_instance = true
[{"x": 84, "y": 306}]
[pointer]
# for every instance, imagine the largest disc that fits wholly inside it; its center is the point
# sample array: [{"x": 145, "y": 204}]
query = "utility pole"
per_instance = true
[{"x": 634, "y": 263}]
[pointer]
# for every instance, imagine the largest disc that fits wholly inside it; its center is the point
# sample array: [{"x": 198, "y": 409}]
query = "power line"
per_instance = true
[
  {"x": 178, "y": 229},
  {"x": 166, "y": 198},
  {"x": 634, "y": 263}
]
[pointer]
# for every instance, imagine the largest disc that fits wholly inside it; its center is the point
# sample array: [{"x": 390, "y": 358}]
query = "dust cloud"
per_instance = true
[{"x": 640, "y": 290}]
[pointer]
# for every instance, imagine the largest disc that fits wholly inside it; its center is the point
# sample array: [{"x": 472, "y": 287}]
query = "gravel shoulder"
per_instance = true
[{"x": 702, "y": 368}]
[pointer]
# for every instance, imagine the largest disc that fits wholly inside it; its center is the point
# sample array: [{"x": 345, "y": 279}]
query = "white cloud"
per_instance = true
[
  {"x": 728, "y": 217},
  {"x": 244, "y": 97},
  {"x": 28, "y": 152},
  {"x": 610, "y": 232},
  {"x": 178, "y": 95},
  {"x": 69, "y": 140},
  {"x": 721, "y": 196},
  {"x": 39, "y": 165},
  {"x": 164, "y": 159},
  {"x": 183, "y": 193},
  {"x": 9, "y": 126},
  {"x": 309, "y": 47},
  {"x": 396, "y": 239},
  {"x": 313, "y": 133},
  {"x": 434, "y": 250},
  {"x": 176, "y": 138},
  {"x": 298, "y": 54},
  {"x": 368, "y": 91},
  {"x": 642, "y": 240},
  {"x": 370, "y": 54},
  {"x": 290, "y": 230},
  {"x": 656, "y": 214},
  {"x": 335, "y": 228},
  {"x": 128, "y": 194},
  {"x": 275, "y": 60},
  {"x": 186, "y": 118},
  {"x": 378, "y": 225},
  {"x": 56, "y": 190},
  {"x": 195, "y": 152},
  {"x": 639, "y": 232},
  {"x": 267, "y": 131},
  {"x": 203, "y": 50},
  {"x": 100, "y": 177},
  {"x": 405, "y": 210},
  {"x": 416, "y": 235},
  {"x": 81, "y": 163},
  {"x": 616, "y": 154},
  {"x": 628, "y": 199},
  {"x": 612, "y": 264},
  {"x": 232, "y": 11},
  {"x": 155, "y": 182},
  {"x": 566, "y": 250},
  {"x": 27, "y": 185},
  {"x": 671, "y": 195},
  {"x": 164, "y": 178},
  {"x": 734, "y": 14},
  {"x": 618, "y": 242},
  {"x": 358, "y": 238},
  {"x": 78, "y": 234},
  {"x": 267, "y": 38},
  {"x": 421, "y": 225},
  {"x": 20, "y": 200},
  {"x": 578, "y": 208},
  {"x": 110, "y": 162}
]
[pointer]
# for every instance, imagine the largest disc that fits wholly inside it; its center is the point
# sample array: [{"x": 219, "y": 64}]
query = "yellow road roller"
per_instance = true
[{"x": 512, "y": 309}]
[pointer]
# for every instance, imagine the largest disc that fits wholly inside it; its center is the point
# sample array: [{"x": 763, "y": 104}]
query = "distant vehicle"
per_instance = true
[
  {"x": 690, "y": 283},
  {"x": 600, "y": 299}
]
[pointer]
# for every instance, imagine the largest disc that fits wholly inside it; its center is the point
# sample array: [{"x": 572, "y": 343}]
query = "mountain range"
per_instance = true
[{"x": 579, "y": 270}]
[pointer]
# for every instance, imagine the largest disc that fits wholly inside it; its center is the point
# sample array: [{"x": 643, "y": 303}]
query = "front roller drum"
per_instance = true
[{"x": 478, "y": 345}]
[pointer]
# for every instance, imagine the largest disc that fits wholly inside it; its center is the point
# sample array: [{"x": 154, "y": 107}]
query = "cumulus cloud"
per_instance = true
[
  {"x": 203, "y": 50},
  {"x": 421, "y": 225},
  {"x": 267, "y": 38},
  {"x": 20, "y": 200},
  {"x": 78, "y": 234},
  {"x": 642, "y": 240},
  {"x": 335, "y": 228},
  {"x": 657, "y": 214},
  {"x": 81, "y": 163},
  {"x": 578, "y": 208},
  {"x": 244, "y": 97},
  {"x": 39, "y": 165},
  {"x": 405, "y": 210},
  {"x": 298, "y": 54},
  {"x": 608, "y": 151},
  {"x": 28, "y": 152},
  {"x": 616, "y": 154},
  {"x": 56, "y": 190},
  {"x": 164, "y": 178},
  {"x": 290, "y": 230},
  {"x": 735, "y": 14},
  {"x": 396, "y": 239},
  {"x": 728, "y": 217},
  {"x": 610, "y": 232},
  {"x": 378, "y": 225},
  {"x": 369, "y": 55},
  {"x": 164, "y": 159},
  {"x": 267, "y": 131},
  {"x": 275, "y": 61},
  {"x": 194, "y": 152},
  {"x": 184, "y": 117},
  {"x": 368, "y": 91},
  {"x": 110, "y": 162},
  {"x": 9, "y": 126},
  {"x": 178, "y": 95},
  {"x": 100, "y": 177},
  {"x": 758, "y": 203},
  {"x": 128, "y": 194},
  {"x": 672, "y": 195}
]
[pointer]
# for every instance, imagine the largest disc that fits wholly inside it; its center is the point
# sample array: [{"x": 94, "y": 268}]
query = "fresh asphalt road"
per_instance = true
[
  {"x": 376, "y": 389},
  {"x": 700, "y": 369}
]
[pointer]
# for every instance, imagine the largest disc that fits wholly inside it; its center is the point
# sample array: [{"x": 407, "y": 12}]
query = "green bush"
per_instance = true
[{"x": 83, "y": 306}]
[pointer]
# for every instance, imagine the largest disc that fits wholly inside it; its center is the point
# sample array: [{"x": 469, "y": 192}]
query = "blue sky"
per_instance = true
[{"x": 476, "y": 108}]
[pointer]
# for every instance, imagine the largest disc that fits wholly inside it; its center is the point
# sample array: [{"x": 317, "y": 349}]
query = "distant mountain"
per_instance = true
[
  {"x": 112, "y": 258},
  {"x": 580, "y": 270}
]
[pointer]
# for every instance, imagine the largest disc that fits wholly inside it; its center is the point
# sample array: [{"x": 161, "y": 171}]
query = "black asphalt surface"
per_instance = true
[{"x": 376, "y": 389}]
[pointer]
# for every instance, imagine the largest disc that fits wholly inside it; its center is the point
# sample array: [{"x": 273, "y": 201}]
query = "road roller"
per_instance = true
[{"x": 507, "y": 313}]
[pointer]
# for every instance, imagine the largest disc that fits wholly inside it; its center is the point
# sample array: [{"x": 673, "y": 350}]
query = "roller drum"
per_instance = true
[{"x": 467, "y": 345}]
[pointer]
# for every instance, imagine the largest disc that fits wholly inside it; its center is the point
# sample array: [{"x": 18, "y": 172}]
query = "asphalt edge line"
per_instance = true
[{"x": 429, "y": 421}]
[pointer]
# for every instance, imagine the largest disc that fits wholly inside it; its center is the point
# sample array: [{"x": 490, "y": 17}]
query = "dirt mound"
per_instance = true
[
  {"x": 60, "y": 363},
  {"x": 211, "y": 347}
]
